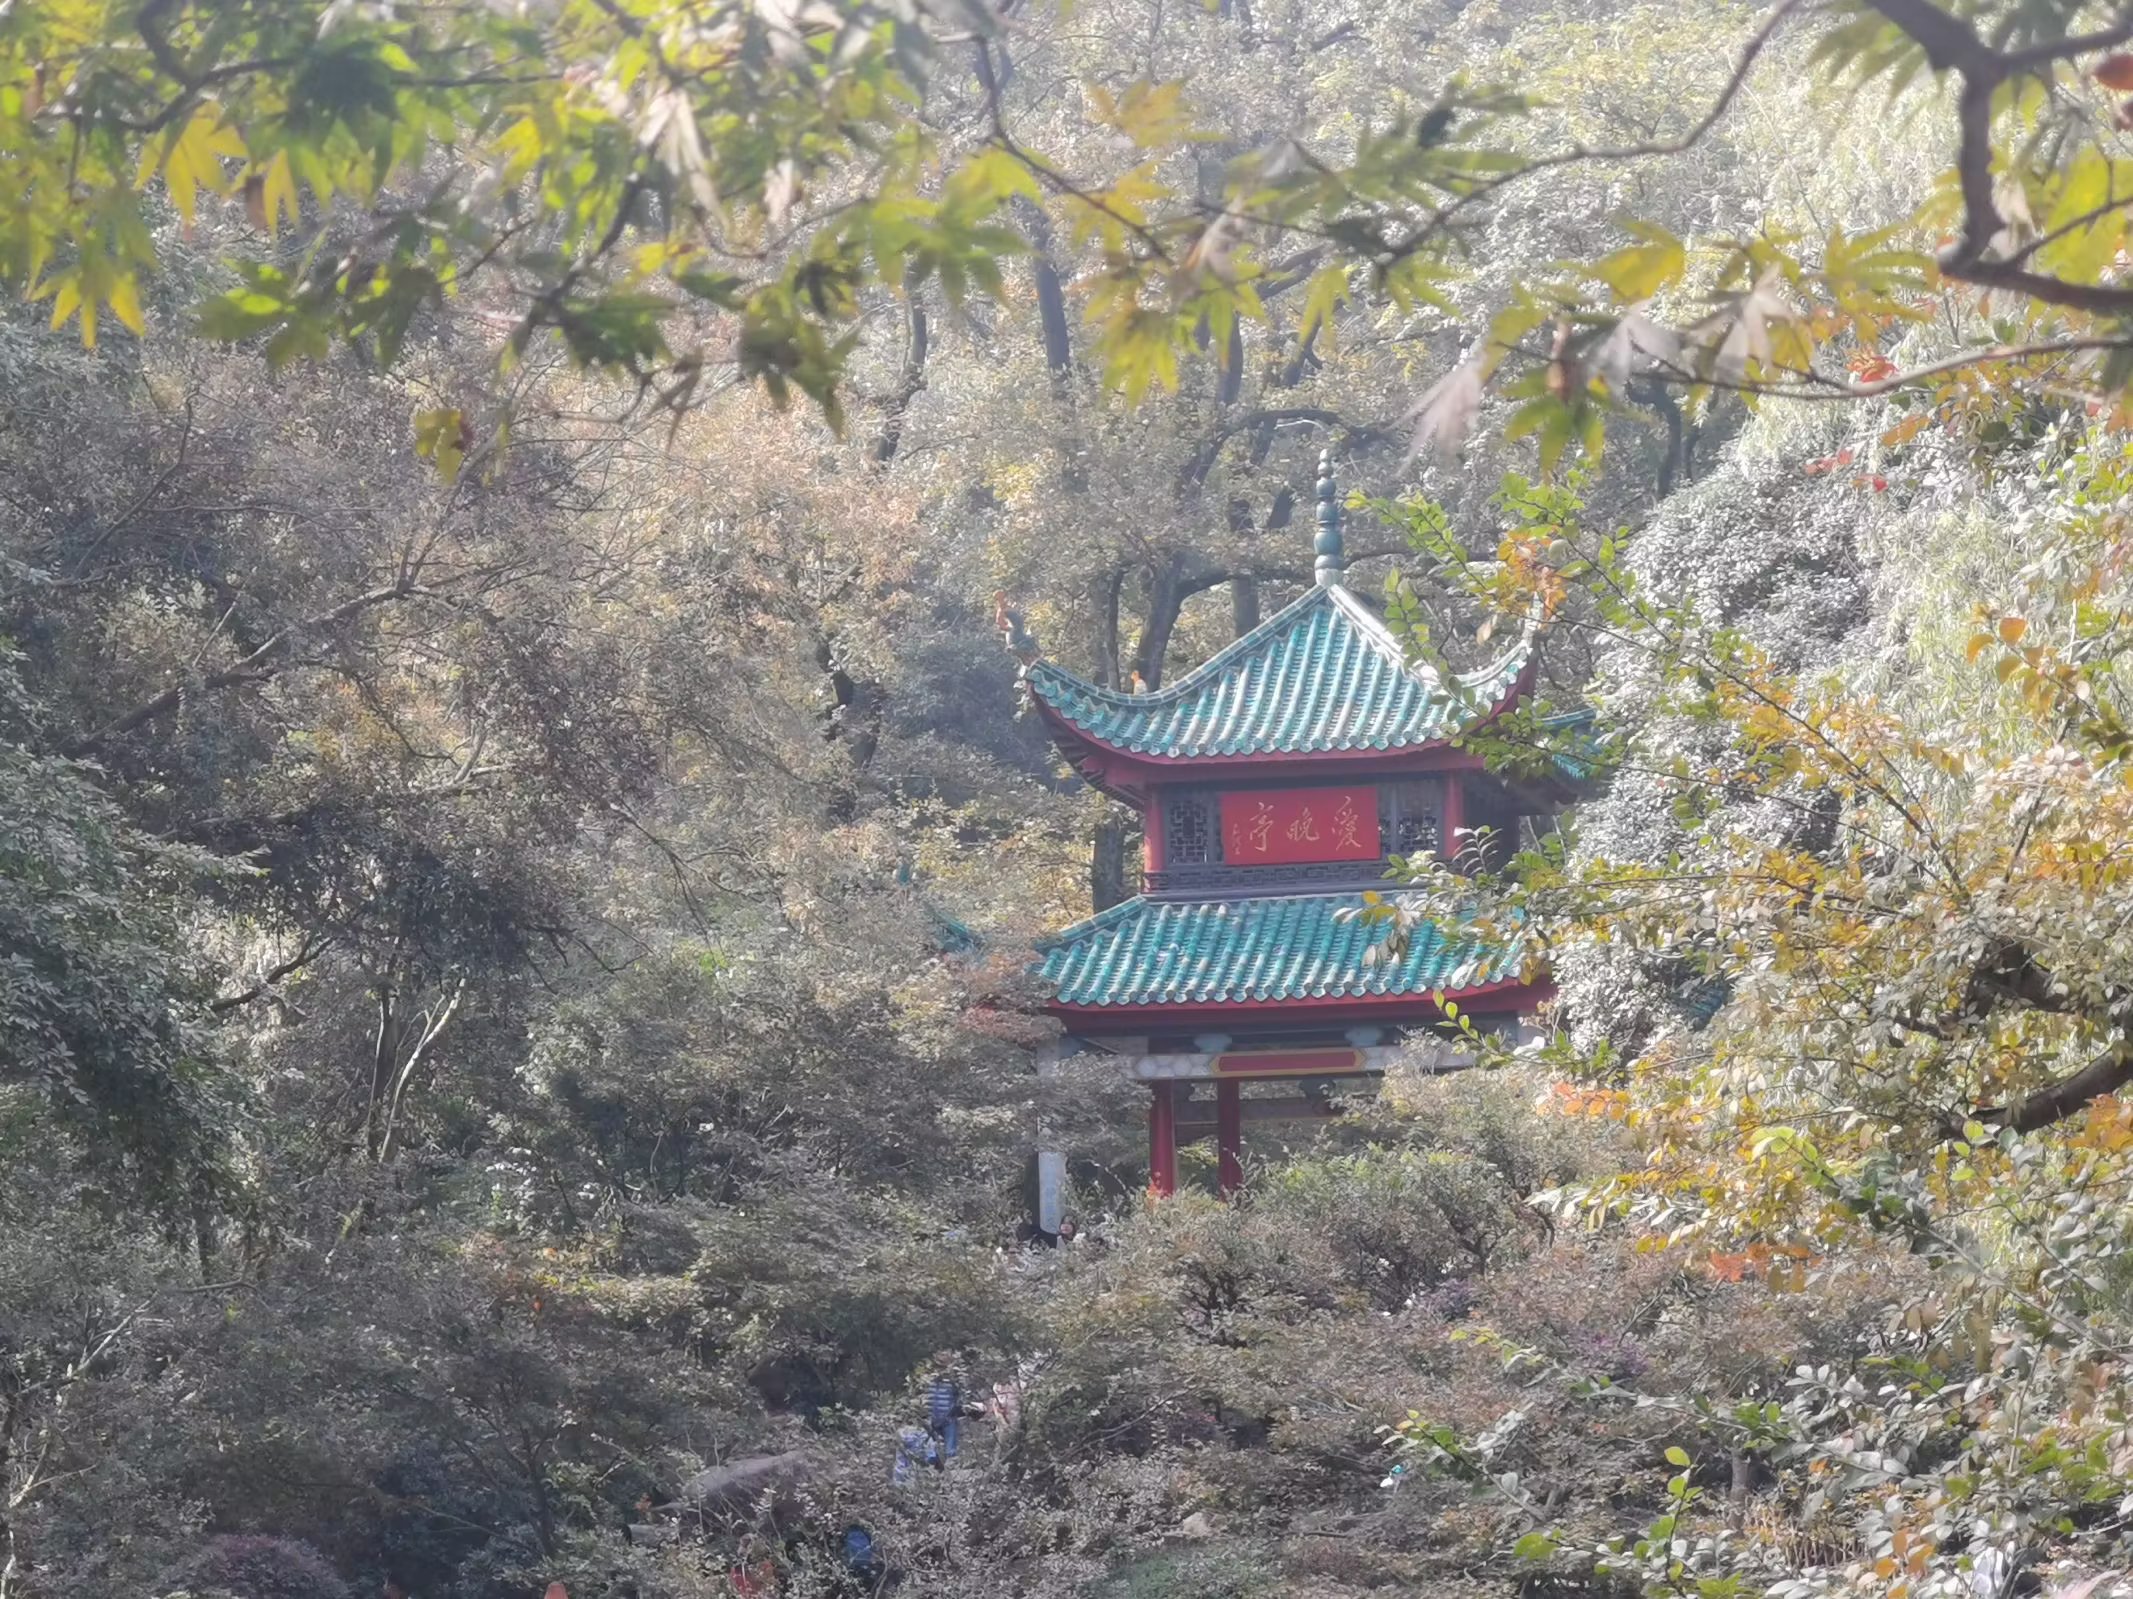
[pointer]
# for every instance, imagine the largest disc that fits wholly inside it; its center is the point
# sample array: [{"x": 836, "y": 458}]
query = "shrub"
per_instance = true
[
  {"x": 1398, "y": 1222},
  {"x": 1222, "y": 1573},
  {"x": 251, "y": 1566}
]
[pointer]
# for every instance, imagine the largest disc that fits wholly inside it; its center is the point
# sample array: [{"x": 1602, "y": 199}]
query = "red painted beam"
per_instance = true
[
  {"x": 1492, "y": 999},
  {"x": 1289, "y": 1062}
]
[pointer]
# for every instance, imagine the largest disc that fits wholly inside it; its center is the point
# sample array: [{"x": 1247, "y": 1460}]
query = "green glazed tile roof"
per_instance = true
[
  {"x": 1323, "y": 674},
  {"x": 1290, "y": 946}
]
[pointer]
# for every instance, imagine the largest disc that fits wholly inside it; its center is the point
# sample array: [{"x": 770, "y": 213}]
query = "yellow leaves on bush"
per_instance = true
[
  {"x": 270, "y": 194},
  {"x": 1111, "y": 216},
  {"x": 442, "y": 437},
  {"x": 1324, "y": 295},
  {"x": 2106, "y": 1126},
  {"x": 94, "y": 284},
  {"x": 2007, "y": 631},
  {"x": 1906, "y": 430},
  {"x": 1576, "y": 1099},
  {"x": 1134, "y": 339},
  {"x": 1531, "y": 577},
  {"x": 1906, "y": 1560},
  {"x": 1783, "y": 1267}
]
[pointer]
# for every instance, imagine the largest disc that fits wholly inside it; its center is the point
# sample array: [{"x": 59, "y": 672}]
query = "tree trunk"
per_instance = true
[
  {"x": 908, "y": 382},
  {"x": 1166, "y": 598},
  {"x": 384, "y": 1059},
  {"x": 1107, "y": 602},
  {"x": 1231, "y": 385},
  {"x": 1051, "y": 298},
  {"x": 537, "y": 1484},
  {"x": 1107, "y": 862}
]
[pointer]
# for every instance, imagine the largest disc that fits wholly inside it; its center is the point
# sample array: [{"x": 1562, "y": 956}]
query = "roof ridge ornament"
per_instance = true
[{"x": 1332, "y": 565}]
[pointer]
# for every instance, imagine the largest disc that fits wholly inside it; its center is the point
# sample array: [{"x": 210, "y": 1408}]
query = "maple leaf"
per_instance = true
[
  {"x": 1447, "y": 412},
  {"x": 2115, "y": 71},
  {"x": 1633, "y": 337}
]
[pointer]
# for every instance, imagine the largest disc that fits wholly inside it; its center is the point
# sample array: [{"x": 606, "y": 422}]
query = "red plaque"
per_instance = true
[{"x": 1273, "y": 826}]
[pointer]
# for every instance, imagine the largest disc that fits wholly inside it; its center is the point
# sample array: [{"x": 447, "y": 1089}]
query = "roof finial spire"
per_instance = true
[{"x": 1332, "y": 565}]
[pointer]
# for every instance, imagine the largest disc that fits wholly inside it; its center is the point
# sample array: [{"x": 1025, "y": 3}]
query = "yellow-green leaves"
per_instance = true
[
  {"x": 1138, "y": 342},
  {"x": 1150, "y": 114},
  {"x": 2086, "y": 223},
  {"x": 270, "y": 194},
  {"x": 1509, "y": 328},
  {"x": 441, "y": 437},
  {"x": 789, "y": 178},
  {"x": 1117, "y": 216},
  {"x": 1872, "y": 277},
  {"x": 1324, "y": 295},
  {"x": 1638, "y": 271},
  {"x": 102, "y": 274},
  {"x": 191, "y": 158},
  {"x": 991, "y": 177}
]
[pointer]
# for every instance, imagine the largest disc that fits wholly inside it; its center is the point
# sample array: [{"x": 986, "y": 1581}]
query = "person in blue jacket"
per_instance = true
[
  {"x": 944, "y": 1410},
  {"x": 937, "y": 1443}
]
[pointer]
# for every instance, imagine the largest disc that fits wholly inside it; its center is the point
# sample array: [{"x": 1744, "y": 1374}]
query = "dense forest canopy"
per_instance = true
[{"x": 519, "y": 856}]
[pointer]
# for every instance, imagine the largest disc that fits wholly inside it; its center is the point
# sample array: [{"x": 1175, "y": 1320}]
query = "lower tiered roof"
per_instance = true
[{"x": 1159, "y": 952}]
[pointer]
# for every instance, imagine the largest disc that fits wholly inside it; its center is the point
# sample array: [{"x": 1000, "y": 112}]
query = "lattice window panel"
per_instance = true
[
  {"x": 1189, "y": 831},
  {"x": 1416, "y": 822}
]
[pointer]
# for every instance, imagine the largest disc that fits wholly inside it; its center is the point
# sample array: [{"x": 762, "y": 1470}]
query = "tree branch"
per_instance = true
[
  {"x": 1202, "y": 460},
  {"x": 310, "y": 951},
  {"x": 1812, "y": 385},
  {"x": 2106, "y": 1074},
  {"x": 251, "y": 669},
  {"x": 1952, "y": 45}
]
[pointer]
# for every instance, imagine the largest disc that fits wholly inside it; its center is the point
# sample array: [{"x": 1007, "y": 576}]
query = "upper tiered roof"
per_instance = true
[{"x": 1322, "y": 676}]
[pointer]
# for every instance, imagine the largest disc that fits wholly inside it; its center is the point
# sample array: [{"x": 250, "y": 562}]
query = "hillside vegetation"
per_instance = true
[{"x": 519, "y": 851}]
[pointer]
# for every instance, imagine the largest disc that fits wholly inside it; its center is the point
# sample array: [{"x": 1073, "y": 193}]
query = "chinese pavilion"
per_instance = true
[{"x": 1276, "y": 782}]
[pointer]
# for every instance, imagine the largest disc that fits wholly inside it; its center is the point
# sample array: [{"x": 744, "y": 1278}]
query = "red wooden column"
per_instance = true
[
  {"x": 1162, "y": 1139},
  {"x": 1229, "y": 1136},
  {"x": 1454, "y": 816}
]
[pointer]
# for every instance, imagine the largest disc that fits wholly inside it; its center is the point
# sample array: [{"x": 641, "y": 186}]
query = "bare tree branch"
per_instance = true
[
  {"x": 253, "y": 668},
  {"x": 311, "y": 949}
]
